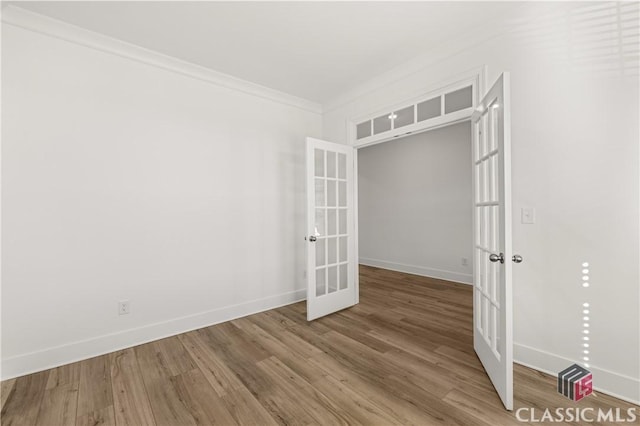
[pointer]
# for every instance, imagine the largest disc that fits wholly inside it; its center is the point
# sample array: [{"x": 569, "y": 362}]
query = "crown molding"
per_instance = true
[
  {"x": 418, "y": 64},
  {"x": 18, "y": 17}
]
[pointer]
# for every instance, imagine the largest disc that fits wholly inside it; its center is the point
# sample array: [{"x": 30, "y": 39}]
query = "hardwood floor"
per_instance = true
[{"x": 404, "y": 355}]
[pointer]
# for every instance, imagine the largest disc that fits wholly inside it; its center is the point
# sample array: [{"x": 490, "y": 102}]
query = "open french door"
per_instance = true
[
  {"x": 332, "y": 269},
  {"x": 493, "y": 256}
]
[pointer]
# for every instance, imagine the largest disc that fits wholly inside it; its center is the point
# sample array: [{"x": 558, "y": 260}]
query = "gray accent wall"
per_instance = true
[{"x": 415, "y": 203}]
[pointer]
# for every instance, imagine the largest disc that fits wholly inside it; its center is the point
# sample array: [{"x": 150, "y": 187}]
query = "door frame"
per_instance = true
[
  {"x": 356, "y": 235},
  {"x": 476, "y": 77}
]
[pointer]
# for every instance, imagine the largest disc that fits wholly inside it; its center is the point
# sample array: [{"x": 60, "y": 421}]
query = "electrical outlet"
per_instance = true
[
  {"x": 464, "y": 261},
  {"x": 124, "y": 307}
]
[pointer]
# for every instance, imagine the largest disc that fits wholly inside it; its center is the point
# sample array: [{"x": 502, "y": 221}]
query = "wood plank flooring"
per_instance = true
[{"x": 404, "y": 355}]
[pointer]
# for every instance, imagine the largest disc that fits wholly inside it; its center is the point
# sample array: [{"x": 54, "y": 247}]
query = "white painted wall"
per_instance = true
[
  {"x": 414, "y": 203},
  {"x": 122, "y": 180},
  {"x": 575, "y": 160}
]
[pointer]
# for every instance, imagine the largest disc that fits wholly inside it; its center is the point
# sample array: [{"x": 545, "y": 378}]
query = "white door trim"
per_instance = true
[{"x": 356, "y": 237}]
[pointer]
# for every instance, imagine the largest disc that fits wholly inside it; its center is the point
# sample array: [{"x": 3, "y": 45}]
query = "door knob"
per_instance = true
[
  {"x": 497, "y": 257},
  {"x": 312, "y": 238},
  {"x": 517, "y": 258}
]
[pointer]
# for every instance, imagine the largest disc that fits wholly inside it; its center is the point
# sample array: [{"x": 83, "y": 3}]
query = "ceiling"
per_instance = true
[{"x": 314, "y": 50}]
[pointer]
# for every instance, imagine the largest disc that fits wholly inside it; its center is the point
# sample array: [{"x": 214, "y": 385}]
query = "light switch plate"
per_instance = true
[{"x": 528, "y": 215}]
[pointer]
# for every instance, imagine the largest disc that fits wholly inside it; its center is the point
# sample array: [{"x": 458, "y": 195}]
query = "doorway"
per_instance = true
[
  {"x": 491, "y": 171},
  {"x": 415, "y": 204}
]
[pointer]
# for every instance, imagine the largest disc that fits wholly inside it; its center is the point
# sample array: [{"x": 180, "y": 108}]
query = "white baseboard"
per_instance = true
[
  {"x": 419, "y": 270},
  {"x": 605, "y": 381},
  {"x": 78, "y": 351}
]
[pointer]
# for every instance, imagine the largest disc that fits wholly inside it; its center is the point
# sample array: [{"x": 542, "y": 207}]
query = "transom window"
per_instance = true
[{"x": 443, "y": 105}]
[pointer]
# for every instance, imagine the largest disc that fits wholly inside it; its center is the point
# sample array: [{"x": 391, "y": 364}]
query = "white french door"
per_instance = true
[
  {"x": 332, "y": 269},
  {"x": 493, "y": 256}
]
